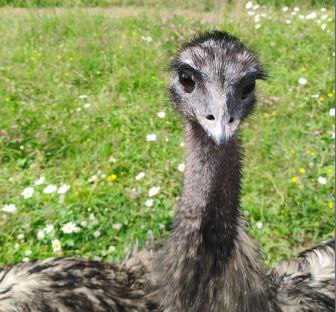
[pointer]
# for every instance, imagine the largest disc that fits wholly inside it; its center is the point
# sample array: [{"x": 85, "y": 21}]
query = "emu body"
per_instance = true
[{"x": 208, "y": 263}]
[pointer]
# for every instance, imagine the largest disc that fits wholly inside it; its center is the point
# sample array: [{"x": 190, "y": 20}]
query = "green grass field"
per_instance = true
[{"x": 80, "y": 90}]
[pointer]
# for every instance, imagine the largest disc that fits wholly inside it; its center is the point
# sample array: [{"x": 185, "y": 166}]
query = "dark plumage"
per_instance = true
[
  {"x": 74, "y": 284},
  {"x": 209, "y": 263}
]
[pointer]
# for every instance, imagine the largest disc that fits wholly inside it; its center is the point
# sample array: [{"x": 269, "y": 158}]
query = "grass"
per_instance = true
[
  {"x": 50, "y": 59},
  {"x": 203, "y": 5}
]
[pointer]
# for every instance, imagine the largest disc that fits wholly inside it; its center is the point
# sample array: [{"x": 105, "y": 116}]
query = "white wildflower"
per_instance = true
[
  {"x": 311, "y": 16},
  {"x": 332, "y": 112},
  {"x": 51, "y": 188},
  {"x": 149, "y": 203},
  {"x": 250, "y": 13},
  {"x": 302, "y": 81},
  {"x": 161, "y": 114},
  {"x": 116, "y": 226},
  {"x": 151, "y": 137},
  {"x": 249, "y": 5},
  {"x": 83, "y": 223},
  {"x": 257, "y": 18},
  {"x": 48, "y": 228},
  {"x": 28, "y": 252},
  {"x": 153, "y": 191},
  {"x": 93, "y": 179},
  {"x": 259, "y": 225},
  {"x": 256, "y": 7},
  {"x": 56, "y": 245},
  {"x": 40, "y": 180},
  {"x": 323, "y": 9},
  {"x": 83, "y": 96},
  {"x": 161, "y": 227},
  {"x": 25, "y": 259},
  {"x": 147, "y": 39},
  {"x": 96, "y": 234},
  {"x": 140, "y": 176},
  {"x": 325, "y": 16},
  {"x": 315, "y": 96},
  {"x": 63, "y": 188},
  {"x": 69, "y": 228},
  {"x": 181, "y": 167},
  {"x": 288, "y": 22},
  {"x": 27, "y": 192},
  {"x": 87, "y": 105},
  {"x": 285, "y": 9},
  {"x": 296, "y": 9},
  {"x": 40, "y": 235},
  {"x": 182, "y": 144},
  {"x": 111, "y": 249},
  {"x": 301, "y": 16},
  {"x": 322, "y": 180},
  {"x": 257, "y": 26},
  {"x": 323, "y": 26},
  {"x": 21, "y": 236},
  {"x": 10, "y": 208},
  {"x": 112, "y": 160}
]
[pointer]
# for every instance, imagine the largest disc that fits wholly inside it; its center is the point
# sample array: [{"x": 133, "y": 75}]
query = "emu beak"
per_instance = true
[{"x": 220, "y": 128}]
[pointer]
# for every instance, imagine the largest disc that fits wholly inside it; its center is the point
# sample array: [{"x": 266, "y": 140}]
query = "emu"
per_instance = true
[{"x": 209, "y": 263}]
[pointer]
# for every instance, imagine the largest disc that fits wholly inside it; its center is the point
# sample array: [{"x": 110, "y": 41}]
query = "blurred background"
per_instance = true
[{"x": 92, "y": 154}]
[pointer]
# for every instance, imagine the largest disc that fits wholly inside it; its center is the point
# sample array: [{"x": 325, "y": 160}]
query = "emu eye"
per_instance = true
[
  {"x": 187, "y": 82},
  {"x": 247, "y": 90}
]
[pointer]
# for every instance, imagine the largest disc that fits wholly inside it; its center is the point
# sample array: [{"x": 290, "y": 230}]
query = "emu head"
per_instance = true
[{"x": 213, "y": 83}]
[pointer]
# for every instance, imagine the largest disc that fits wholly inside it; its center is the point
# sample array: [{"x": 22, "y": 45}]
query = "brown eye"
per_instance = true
[
  {"x": 187, "y": 82},
  {"x": 247, "y": 90}
]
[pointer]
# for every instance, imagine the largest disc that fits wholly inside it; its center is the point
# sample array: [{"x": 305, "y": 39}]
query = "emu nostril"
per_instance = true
[
  {"x": 210, "y": 117},
  {"x": 231, "y": 120}
]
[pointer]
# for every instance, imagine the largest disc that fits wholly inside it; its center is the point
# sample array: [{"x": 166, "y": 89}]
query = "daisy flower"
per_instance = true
[
  {"x": 40, "y": 235},
  {"x": 302, "y": 81},
  {"x": 322, "y": 180},
  {"x": 151, "y": 137},
  {"x": 48, "y": 228},
  {"x": 161, "y": 114},
  {"x": 27, "y": 192},
  {"x": 69, "y": 228},
  {"x": 49, "y": 189},
  {"x": 10, "y": 208},
  {"x": 149, "y": 203},
  {"x": 249, "y": 5},
  {"x": 40, "y": 181},
  {"x": 63, "y": 188},
  {"x": 56, "y": 245},
  {"x": 140, "y": 176},
  {"x": 153, "y": 191},
  {"x": 181, "y": 167},
  {"x": 116, "y": 226}
]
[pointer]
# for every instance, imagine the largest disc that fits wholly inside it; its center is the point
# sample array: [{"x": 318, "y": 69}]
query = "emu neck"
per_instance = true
[
  {"x": 210, "y": 261},
  {"x": 211, "y": 191}
]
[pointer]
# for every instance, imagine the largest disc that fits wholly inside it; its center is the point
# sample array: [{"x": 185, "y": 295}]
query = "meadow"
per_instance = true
[{"x": 92, "y": 153}]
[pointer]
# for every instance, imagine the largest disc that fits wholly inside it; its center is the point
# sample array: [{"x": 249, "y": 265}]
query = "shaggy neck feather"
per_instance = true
[{"x": 210, "y": 262}]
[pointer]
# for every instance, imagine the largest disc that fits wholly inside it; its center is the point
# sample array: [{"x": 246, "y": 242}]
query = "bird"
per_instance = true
[{"x": 209, "y": 262}]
